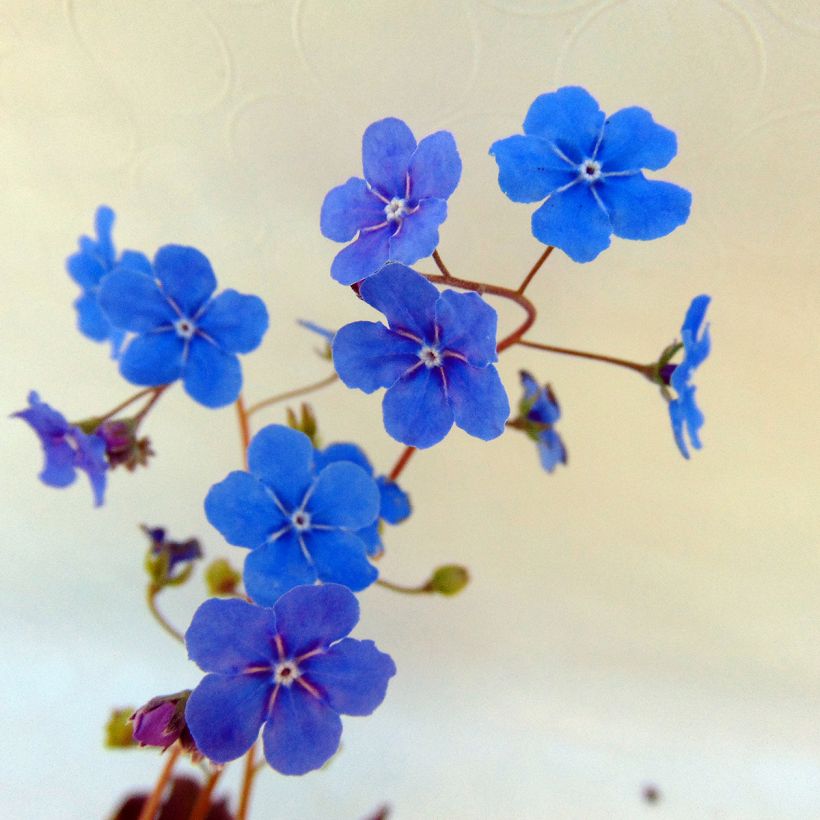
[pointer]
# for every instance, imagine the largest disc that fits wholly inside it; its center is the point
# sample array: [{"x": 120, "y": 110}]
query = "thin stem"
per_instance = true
[
  {"x": 158, "y": 391},
  {"x": 149, "y": 810},
  {"x": 422, "y": 590},
  {"x": 150, "y": 598},
  {"x": 203, "y": 800},
  {"x": 441, "y": 266},
  {"x": 535, "y": 268},
  {"x": 247, "y": 783},
  {"x": 123, "y": 404},
  {"x": 643, "y": 369},
  {"x": 244, "y": 427},
  {"x": 292, "y": 394},
  {"x": 399, "y": 466}
]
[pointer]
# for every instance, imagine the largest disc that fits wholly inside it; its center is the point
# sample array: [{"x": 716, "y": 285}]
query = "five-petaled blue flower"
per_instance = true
[
  {"x": 95, "y": 259},
  {"x": 66, "y": 447},
  {"x": 589, "y": 169},
  {"x": 394, "y": 503},
  {"x": 435, "y": 359},
  {"x": 181, "y": 331},
  {"x": 540, "y": 409},
  {"x": 685, "y": 414},
  {"x": 397, "y": 208},
  {"x": 288, "y": 670},
  {"x": 300, "y": 522}
]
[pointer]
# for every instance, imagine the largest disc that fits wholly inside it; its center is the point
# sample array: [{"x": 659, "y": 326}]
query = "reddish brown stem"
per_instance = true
[
  {"x": 244, "y": 428},
  {"x": 247, "y": 782},
  {"x": 643, "y": 369},
  {"x": 203, "y": 800},
  {"x": 399, "y": 466},
  {"x": 140, "y": 417},
  {"x": 535, "y": 268},
  {"x": 292, "y": 394},
  {"x": 149, "y": 810}
]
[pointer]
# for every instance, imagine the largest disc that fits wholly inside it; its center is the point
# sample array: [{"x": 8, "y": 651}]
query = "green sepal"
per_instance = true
[
  {"x": 221, "y": 578},
  {"x": 119, "y": 730}
]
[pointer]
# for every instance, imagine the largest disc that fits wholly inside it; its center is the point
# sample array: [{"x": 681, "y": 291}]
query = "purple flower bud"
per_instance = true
[
  {"x": 122, "y": 447},
  {"x": 665, "y": 373},
  {"x": 154, "y": 723}
]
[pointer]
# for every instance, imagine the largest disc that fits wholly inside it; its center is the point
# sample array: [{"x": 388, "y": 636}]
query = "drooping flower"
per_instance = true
[
  {"x": 181, "y": 331},
  {"x": 394, "y": 503},
  {"x": 398, "y": 206},
  {"x": 539, "y": 412},
  {"x": 66, "y": 448},
  {"x": 87, "y": 267},
  {"x": 589, "y": 168},
  {"x": 173, "y": 553},
  {"x": 300, "y": 522},
  {"x": 435, "y": 359},
  {"x": 288, "y": 670},
  {"x": 686, "y": 417},
  {"x": 122, "y": 445}
]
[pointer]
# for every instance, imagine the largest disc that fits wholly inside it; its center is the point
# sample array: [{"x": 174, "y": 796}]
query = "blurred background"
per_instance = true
[{"x": 635, "y": 620}]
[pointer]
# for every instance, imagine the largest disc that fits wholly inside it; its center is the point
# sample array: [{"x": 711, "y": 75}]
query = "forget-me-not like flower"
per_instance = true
[
  {"x": 181, "y": 331},
  {"x": 300, "y": 522},
  {"x": 589, "y": 168},
  {"x": 289, "y": 670},
  {"x": 398, "y": 206},
  {"x": 540, "y": 412},
  {"x": 435, "y": 359},
  {"x": 394, "y": 503},
  {"x": 66, "y": 448},
  {"x": 87, "y": 267}
]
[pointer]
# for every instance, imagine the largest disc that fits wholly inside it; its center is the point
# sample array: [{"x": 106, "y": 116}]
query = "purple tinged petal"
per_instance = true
[
  {"x": 479, "y": 401},
  {"x": 528, "y": 169},
  {"x": 362, "y": 258},
  {"x": 212, "y": 377},
  {"x": 467, "y": 325},
  {"x": 348, "y": 208},
  {"x": 435, "y": 167},
  {"x": 342, "y": 452},
  {"x": 353, "y": 676},
  {"x": 574, "y": 222},
  {"x": 228, "y": 636},
  {"x": 133, "y": 301},
  {"x": 51, "y": 428},
  {"x": 153, "y": 359},
  {"x": 242, "y": 510},
  {"x": 276, "y": 567},
  {"x": 186, "y": 275},
  {"x": 387, "y": 147},
  {"x": 368, "y": 356},
  {"x": 303, "y": 732},
  {"x": 311, "y": 617},
  {"x": 224, "y": 714},
  {"x": 282, "y": 459},
  {"x": 340, "y": 557},
  {"x": 91, "y": 321},
  {"x": 633, "y": 140},
  {"x": 405, "y": 297},
  {"x": 344, "y": 496},
  {"x": 235, "y": 321},
  {"x": 395, "y": 503},
  {"x": 90, "y": 458},
  {"x": 58, "y": 470},
  {"x": 152, "y": 725},
  {"x": 417, "y": 236},
  {"x": 551, "y": 450},
  {"x": 416, "y": 409},
  {"x": 569, "y": 118}
]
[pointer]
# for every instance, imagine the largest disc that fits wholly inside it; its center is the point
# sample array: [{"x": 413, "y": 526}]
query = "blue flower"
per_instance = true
[
  {"x": 95, "y": 259},
  {"x": 683, "y": 411},
  {"x": 435, "y": 359},
  {"x": 66, "y": 447},
  {"x": 300, "y": 522},
  {"x": 288, "y": 670},
  {"x": 589, "y": 170},
  {"x": 394, "y": 503},
  {"x": 181, "y": 331},
  {"x": 397, "y": 208},
  {"x": 540, "y": 410}
]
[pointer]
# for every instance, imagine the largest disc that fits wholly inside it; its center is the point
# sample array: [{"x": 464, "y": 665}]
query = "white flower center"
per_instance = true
[
  {"x": 590, "y": 170},
  {"x": 430, "y": 356},
  {"x": 185, "y": 328},
  {"x": 300, "y": 521},
  {"x": 286, "y": 673},
  {"x": 395, "y": 209}
]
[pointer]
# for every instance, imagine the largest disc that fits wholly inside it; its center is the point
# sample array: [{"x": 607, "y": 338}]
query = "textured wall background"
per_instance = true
[{"x": 634, "y": 618}]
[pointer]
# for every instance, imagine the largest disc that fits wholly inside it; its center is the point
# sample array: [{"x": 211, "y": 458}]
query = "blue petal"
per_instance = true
[
  {"x": 574, "y": 222},
  {"x": 303, "y": 732},
  {"x": 134, "y": 260},
  {"x": 387, "y": 146},
  {"x": 345, "y": 496},
  {"x": 543, "y": 406},
  {"x": 85, "y": 269},
  {"x": 186, "y": 276},
  {"x": 241, "y": 509},
  {"x": 644, "y": 209},
  {"x": 696, "y": 349},
  {"x": 467, "y": 325},
  {"x": 51, "y": 428},
  {"x": 103, "y": 225},
  {"x": 318, "y": 329},
  {"x": 58, "y": 470},
  {"x": 312, "y": 617},
  {"x": 153, "y": 359},
  {"x": 395, "y": 503},
  {"x": 416, "y": 410},
  {"x": 405, "y": 297},
  {"x": 212, "y": 376},
  {"x": 479, "y": 401},
  {"x": 352, "y": 675},
  {"x": 228, "y": 636},
  {"x": 342, "y": 452},
  {"x": 633, "y": 140},
  {"x": 224, "y": 714},
  {"x": 686, "y": 417},
  {"x": 340, "y": 557},
  {"x": 368, "y": 356},
  {"x": 528, "y": 168},
  {"x": 282, "y": 459},
  {"x": 236, "y": 322},
  {"x": 90, "y": 458},
  {"x": 275, "y": 568},
  {"x": 569, "y": 118},
  {"x": 363, "y": 257},
  {"x": 349, "y": 207},
  {"x": 551, "y": 450},
  {"x": 132, "y": 301},
  {"x": 417, "y": 236},
  {"x": 372, "y": 540},
  {"x": 91, "y": 320},
  {"x": 435, "y": 167}
]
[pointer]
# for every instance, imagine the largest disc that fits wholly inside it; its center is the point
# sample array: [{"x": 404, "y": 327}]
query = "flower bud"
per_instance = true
[
  {"x": 222, "y": 578},
  {"x": 118, "y": 731},
  {"x": 306, "y": 423},
  {"x": 164, "y": 556},
  {"x": 161, "y": 722},
  {"x": 122, "y": 447},
  {"x": 448, "y": 580}
]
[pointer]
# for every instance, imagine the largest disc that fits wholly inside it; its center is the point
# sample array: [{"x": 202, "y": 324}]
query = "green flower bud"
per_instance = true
[
  {"x": 448, "y": 580},
  {"x": 119, "y": 731},
  {"x": 222, "y": 578}
]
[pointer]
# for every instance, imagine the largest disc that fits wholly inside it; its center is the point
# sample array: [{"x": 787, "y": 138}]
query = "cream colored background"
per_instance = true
[{"x": 634, "y": 618}]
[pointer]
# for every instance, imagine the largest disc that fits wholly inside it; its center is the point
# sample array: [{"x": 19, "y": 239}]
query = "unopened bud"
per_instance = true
[
  {"x": 161, "y": 722},
  {"x": 222, "y": 578},
  {"x": 448, "y": 580}
]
